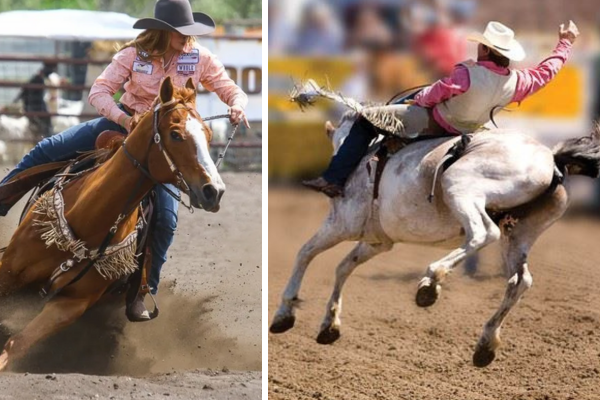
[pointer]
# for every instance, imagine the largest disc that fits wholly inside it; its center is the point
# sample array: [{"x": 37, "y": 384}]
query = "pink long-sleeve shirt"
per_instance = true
[
  {"x": 142, "y": 80},
  {"x": 529, "y": 81}
]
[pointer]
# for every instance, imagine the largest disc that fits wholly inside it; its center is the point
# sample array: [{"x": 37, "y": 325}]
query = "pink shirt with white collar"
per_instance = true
[
  {"x": 529, "y": 81},
  {"x": 142, "y": 80}
]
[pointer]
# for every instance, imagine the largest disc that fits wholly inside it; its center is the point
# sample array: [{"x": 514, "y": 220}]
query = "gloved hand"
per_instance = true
[{"x": 570, "y": 33}]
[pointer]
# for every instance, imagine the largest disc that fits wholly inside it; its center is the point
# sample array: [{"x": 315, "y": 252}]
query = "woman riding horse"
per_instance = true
[
  {"x": 460, "y": 103},
  {"x": 166, "y": 48}
]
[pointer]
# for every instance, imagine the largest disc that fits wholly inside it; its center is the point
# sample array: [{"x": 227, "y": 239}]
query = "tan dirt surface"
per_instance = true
[
  {"x": 207, "y": 334},
  {"x": 392, "y": 349}
]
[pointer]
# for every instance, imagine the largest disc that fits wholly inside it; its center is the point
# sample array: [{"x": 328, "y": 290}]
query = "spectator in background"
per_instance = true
[
  {"x": 33, "y": 101},
  {"x": 436, "y": 39},
  {"x": 368, "y": 29},
  {"x": 279, "y": 32},
  {"x": 319, "y": 32}
]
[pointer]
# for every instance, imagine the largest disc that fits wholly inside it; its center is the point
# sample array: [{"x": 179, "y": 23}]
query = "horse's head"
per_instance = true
[
  {"x": 339, "y": 134},
  {"x": 182, "y": 151}
]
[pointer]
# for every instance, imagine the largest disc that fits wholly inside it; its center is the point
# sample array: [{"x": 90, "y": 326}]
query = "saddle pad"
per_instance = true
[{"x": 23, "y": 182}]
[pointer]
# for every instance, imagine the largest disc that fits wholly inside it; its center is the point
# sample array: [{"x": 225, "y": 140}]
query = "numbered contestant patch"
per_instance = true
[
  {"x": 143, "y": 68},
  {"x": 186, "y": 69},
  {"x": 189, "y": 58}
]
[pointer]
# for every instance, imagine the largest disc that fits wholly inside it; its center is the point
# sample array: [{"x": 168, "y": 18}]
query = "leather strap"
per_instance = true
[{"x": 26, "y": 180}]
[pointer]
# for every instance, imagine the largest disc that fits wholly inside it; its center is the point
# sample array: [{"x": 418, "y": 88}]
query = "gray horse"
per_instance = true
[{"x": 506, "y": 185}]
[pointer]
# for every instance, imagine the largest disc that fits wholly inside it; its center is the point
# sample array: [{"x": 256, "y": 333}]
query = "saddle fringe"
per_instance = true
[{"x": 118, "y": 260}]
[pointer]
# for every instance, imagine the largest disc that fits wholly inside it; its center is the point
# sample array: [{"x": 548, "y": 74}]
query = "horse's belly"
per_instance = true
[
  {"x": 423, "y": 226},
  {"x": 405, "y": 213}
]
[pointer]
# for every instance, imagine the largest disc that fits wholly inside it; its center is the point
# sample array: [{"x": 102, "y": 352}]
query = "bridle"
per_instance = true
[{"x": 156, "y": 139}]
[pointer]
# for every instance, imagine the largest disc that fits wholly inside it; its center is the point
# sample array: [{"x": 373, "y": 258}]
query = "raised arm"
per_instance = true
[
  {"x": 530, "y": 80},
  {"x": 215, "y": 79},
  {"x": 109, "y": 82}
]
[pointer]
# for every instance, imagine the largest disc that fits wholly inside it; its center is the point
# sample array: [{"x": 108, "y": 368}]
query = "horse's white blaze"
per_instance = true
[{"x": 196, "y": 130}]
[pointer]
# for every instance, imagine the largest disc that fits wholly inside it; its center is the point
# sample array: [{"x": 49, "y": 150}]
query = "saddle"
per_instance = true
[
  {"x": 390, "y": 145},
  {"x": 13, "y": 190}
]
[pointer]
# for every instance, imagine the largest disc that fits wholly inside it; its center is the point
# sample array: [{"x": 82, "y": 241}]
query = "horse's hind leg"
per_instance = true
[
  {"x": 326, "y": 237},
  {"x": 330, "y": 327},
  {"x": 516, "y": 244},
  {"x": 480, "y": 231}
]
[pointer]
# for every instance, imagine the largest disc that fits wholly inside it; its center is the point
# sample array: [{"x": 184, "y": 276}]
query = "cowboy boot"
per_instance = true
[
  {"x": 321, "y": 185},
  {"x": 136, "y": 311}
]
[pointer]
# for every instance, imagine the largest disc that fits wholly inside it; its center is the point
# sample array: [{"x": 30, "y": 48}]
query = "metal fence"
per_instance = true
[{"x": 33, "y": 105}]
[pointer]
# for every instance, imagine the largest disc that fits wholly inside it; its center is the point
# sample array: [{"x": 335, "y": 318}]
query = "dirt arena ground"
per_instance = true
[
  {"x": 206, "y": 343},
  {"x": 391, "y": 349}
]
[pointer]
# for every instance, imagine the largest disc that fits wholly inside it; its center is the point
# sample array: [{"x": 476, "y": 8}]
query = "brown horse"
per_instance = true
[{"x": 171, "y": 142}]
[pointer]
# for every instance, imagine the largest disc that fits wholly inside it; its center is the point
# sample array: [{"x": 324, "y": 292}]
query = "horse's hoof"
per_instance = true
[
  {"x": 427, "y": 295},
  {"x": 328, "y": 335},
  {"x": 3, "y": 360},
  {"x": 483, "y": 356},
  {"x": 281, "y": 325}
]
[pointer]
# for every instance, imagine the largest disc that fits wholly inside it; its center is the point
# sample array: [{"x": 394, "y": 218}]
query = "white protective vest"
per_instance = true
[{"x": 487, "y": 91}]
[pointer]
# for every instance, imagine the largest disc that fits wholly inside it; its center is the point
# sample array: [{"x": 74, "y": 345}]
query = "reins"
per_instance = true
[{"x": 229, "y": 138}]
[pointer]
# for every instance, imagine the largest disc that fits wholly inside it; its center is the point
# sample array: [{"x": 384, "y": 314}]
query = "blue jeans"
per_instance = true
[
  {"x": 351, "y": 152},
  {"x": 82, "y": 137}
]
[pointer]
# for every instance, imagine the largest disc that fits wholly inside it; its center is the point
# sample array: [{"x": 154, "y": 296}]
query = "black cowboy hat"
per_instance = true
[{"x": 177, "y": 15}]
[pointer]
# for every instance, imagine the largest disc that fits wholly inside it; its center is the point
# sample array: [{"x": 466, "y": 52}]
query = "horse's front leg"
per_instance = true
[
  {"x": 326, "y": 237},
  {"x": 330, "y": 327},
  {"x": 58, "y": 313},
  {"x": 480, "y": 231}
]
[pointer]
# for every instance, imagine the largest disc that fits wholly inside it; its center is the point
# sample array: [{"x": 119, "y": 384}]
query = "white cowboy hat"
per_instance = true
[{"x": 500, "y": 38}]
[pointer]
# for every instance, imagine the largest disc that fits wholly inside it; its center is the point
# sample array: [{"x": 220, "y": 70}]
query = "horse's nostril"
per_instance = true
[{"x": 210, "y": 192}]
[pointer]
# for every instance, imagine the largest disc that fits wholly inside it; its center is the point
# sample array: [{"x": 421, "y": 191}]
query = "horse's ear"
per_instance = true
[
  {"x": 190, "y": 84},
  {"x": 166, "y": 90},
  {"x": 329, "y": 128}
]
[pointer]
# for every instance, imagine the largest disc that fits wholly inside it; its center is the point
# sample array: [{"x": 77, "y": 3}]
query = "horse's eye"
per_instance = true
[{"x": 176, "y": 136}]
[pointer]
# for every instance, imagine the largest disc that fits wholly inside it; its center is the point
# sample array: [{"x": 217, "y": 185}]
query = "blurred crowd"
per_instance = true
[
  {"x": 382, "y": 38},
  {"x": 432, "y": 29}
]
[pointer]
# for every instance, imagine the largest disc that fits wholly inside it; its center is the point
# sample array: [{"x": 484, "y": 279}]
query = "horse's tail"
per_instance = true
[{"x": 580, "y": 156}]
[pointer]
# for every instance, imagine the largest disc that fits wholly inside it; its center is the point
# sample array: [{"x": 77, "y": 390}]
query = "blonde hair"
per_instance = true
[{"x": 155, "y": 43}]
